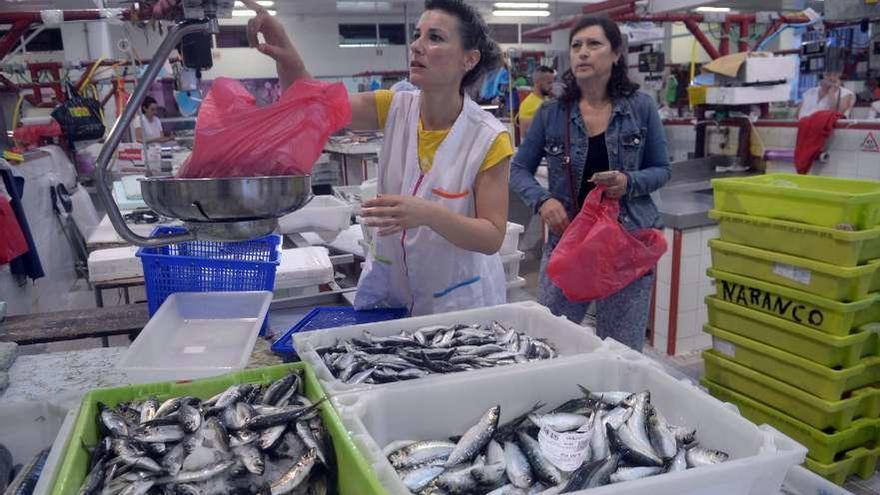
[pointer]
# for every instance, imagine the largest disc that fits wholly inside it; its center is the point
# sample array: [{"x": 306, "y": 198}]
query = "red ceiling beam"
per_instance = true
[
  {"x": 707, "y": 45},
  {"x": 724, "y": 42},
  {"x": 12, "y": 37},
  {"x": 744, "y": 35},
  {"x": 603, "y": 7}
]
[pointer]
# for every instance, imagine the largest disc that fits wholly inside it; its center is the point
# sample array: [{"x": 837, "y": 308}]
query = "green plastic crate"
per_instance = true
[
  {"x": 821, "y": 381},
  {"x": 830, "y": 281},
  {"x": 818, "y": 413},
  {"x": 823, "y": 201},
  {"x": 822, "y": 447},
  {"x": 820, "y": 313},
  {"x": 354, "y": 473},
  {"x": 861, "y": 462},
  {"x": 829, "y": 245},
  {"x": 822, "y": 348}
]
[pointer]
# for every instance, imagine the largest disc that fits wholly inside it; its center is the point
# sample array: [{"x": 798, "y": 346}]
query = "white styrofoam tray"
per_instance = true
[
  {"x": 322, "y": 213},
  {"x": 760, "y": 457},
  {"x": 114, "y": 264},
  {"x": 26, "y": 428},
  {"x": 511, "y": 239},
  {"x": 528, "y": 317},
  {"x": 196, "y": 335},
  {"x": 511, "y": 265},
  {"x": 303, "y": 267}
]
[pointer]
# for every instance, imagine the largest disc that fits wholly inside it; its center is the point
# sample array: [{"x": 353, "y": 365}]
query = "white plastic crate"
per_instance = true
[
  {"x": 114, "y": 264},
  {"x": 511, "y": 240},
  {"x": 760, "y": 457},
  {"x": 322, "y": 213},
  {"x": 53, "y": 462},
  {"x": 528, "y": 317},
  {"x": 196, "y": 335},
  {"x": 511, "y": 265},
  {"x": 801, "y": 481},
  {"x": 26, "y": 428}
]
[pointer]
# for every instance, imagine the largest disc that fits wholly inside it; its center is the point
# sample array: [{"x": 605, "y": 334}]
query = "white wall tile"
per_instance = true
[
  {"x": 660, "y": 343},
  {"x": 691, "y": 243},
  {"x": 781, "y": 167},
  {"x": 687, "y": 324},
  {"x": 702, "y": 341},
  {"x": 708, "y": 233},
  {"x": 685, "y": 345},
  {"x": 661, "y": 322},
  {"x": 664, "y": 268},
  {"x": 663, "y": 293},
  {"x": 690, "y": 269},
  {"x": 688, "y": 297},
  {"x": 868, "y": 165}
]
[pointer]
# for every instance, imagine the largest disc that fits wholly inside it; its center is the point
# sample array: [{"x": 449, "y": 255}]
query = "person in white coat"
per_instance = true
[
  {"x": 828, "y": 95},
  {"x": 441, "y": 214}
]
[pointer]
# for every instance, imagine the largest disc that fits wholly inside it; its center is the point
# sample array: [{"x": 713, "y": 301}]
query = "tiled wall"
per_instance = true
[{"x": 693, "y": 287}]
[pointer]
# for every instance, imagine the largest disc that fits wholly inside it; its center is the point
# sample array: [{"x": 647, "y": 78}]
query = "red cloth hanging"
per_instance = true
[
  {"x": 813, "y": 131},
  {"x": 12, "y": 241}
]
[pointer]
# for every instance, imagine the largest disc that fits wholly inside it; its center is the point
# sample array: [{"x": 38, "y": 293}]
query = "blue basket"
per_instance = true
[
  {"x": 208, "y": 266},
  {"x": 332, "y": 317}
]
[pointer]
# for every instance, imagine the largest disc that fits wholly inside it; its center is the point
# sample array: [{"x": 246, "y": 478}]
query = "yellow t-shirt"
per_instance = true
[
  {"x": 530, "y": 106},
  {"x": 429, "y": 141}
]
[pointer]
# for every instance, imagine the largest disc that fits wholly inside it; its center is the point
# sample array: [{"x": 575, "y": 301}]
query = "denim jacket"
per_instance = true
[{"x": 636, "y": 146}]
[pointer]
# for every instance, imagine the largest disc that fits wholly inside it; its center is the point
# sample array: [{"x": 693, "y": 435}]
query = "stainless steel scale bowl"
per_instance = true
[{"x": 219, "y": 209}]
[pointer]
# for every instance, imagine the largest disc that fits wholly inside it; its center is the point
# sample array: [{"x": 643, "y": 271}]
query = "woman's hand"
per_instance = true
[
  {"x": 615, "y": 183},
  {"x": 554, "y": 216},
  {"x": 394, "y": 214},
  {"x": 277, "y": 44}
]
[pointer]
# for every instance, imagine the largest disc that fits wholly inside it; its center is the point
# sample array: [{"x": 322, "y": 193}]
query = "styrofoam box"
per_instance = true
[
  {"x": 760, "y": 457},
  {"x": 528, "y": 317},
  {"x": 303, "y": 267},
  {"x": 53, "y": 462},
  {"x": 511, "y": 265},
  {"x": 745, "y": 95},
  {"x": 114, "y": 264},
  {"x": 511, "y": 240},
  {"x": 769, "y": 69},
  {"x": 26, "y": 428},
  {"x": 323, "y": 212},
  {"x": 196, "y": 335}
]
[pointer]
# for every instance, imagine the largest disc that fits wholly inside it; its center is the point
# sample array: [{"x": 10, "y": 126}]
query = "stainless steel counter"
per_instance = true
[{"x": 684, "y": 203}]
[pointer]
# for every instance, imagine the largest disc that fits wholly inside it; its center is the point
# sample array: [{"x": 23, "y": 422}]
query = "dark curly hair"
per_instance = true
[
  {"x": 619, "y": 86},
  {"x": 474, "y": 36}
]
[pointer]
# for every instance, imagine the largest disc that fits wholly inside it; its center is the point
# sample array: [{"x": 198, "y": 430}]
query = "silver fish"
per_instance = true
[
  {"x": 162, "y": 434},
  {"x": 112, "y": 421},
  {"x": 251, "y": 457},
  {"x": 475, "y": 438},
  {"x": 560, "y": 422},
  {"x": 290, "y": 480},
  {"x": 662, "y": 438},
  {"x": 419, "y": 453},
  {"x": 190, "y": 418},
  {"x": 634, "y": 473},
  {"x": 508, "y": 490},
  {"x": 149, "y": 409},
  {"x": 631, "y": 448},
  {"x": 679, "y": 462},
  {"x": 544, "y": 470},
  {"x": 519, "y": 472},
  {"x": 699, "y": 456},
  {"x": 200, "y": 475},
  {"x": 173, "y": 460},
  {"x": 457, "y": 481},
  {"x": 419, "y": 478}
]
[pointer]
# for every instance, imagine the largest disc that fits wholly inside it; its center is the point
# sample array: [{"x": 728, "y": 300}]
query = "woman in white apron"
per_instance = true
[{"x": 441, "y": 214}]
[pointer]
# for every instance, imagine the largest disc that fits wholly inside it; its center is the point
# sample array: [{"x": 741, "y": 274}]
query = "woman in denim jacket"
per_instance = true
[{"x": 615, "y": 138}]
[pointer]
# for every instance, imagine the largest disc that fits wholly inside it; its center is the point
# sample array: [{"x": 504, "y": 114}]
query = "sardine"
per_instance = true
[
  {"x": 544, "y": 470},
  {"x": 698, "y": 456},
  {"x": 519, "y": 472},
  {"x": 475, "y": 438},
  {"x": 290, "y": 480}
]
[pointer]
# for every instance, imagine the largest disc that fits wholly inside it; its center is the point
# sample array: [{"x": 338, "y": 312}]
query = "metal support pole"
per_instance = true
[{"x": 707, "y": 45}]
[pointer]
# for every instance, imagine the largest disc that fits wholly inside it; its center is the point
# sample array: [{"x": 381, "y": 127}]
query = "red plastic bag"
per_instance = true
[
  {"x": 597, "y": 257},
  {"x": 12, "y": 241},
  {"x": 235, "y": 138}
]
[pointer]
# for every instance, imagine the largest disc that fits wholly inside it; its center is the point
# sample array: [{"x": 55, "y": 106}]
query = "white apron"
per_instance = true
[{"x": 420, "y": 269}]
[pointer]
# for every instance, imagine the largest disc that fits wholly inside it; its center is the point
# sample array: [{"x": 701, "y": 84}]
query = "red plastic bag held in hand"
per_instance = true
[
  {"x": 235, "y": 138},
  {"x": 596, "y": 257}
]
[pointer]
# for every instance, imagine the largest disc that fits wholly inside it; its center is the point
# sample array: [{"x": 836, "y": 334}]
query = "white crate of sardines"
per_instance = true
[
  {"x": 388, "y": 353},
  {"x": 605, "y": 422}
]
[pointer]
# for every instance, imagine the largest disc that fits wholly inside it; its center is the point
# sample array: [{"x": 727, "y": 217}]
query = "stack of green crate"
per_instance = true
[{"x": 795, "y": 318}]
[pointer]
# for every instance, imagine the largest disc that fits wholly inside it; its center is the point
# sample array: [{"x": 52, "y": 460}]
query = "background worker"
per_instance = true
[{"x": 542, "y": 88}]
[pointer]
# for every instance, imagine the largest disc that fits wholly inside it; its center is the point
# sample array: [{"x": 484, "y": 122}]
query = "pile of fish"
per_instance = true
[
  {"x": 623, "y": 436},
  {"x": 436, "y": 349},
  {"x": 20, "y": 479},
  {"x": 246, "y": 439}
]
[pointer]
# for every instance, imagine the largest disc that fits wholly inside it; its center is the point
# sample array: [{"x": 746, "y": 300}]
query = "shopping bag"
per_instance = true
[
  {"x": 596, "y": 257},
  {"x": 235, "y": 138}
]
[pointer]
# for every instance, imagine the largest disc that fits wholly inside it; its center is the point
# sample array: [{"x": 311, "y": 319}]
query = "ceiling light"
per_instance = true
[
  {"x": 249, "y": 13},
  {"x": 521, "y": 5},
  {"x": 521, "y": 13},
  {"x": 712, "y": 9},
  {"x": 262, "y": 3},
  {"x": 362, "y": 5}
]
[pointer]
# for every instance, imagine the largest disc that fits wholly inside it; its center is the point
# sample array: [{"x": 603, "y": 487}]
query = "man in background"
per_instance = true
[{"x": 542, "y": 86}]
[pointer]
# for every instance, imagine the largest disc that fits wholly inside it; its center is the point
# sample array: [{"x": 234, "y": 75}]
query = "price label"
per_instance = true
[
  {"x": 567, "y": 451},
  {"x": 799, "y": 275}
]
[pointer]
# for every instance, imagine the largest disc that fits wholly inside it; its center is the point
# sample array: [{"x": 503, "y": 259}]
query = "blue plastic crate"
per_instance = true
[
  {"x": 332, "y": 317},
  {"x": 208, "y": 266}
]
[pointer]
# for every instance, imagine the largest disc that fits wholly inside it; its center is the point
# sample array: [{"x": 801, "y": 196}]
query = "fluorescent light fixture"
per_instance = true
[
  {"x": 362, "y": 5},
  {"x": 367, "y": 44},
  {"x": 712, "y": 9},
  {"x": 249, "y": 13},
  {"x": 521, "y": 5},
  {"x": 262, "y": 3},
  {"x": 521, "y": 13}
]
